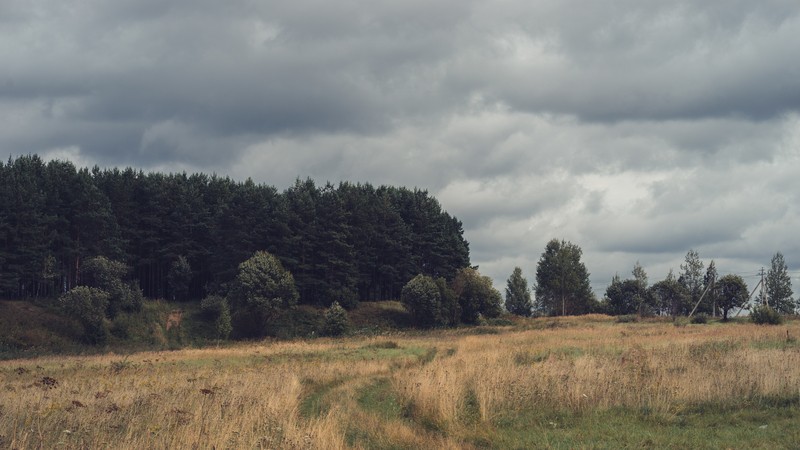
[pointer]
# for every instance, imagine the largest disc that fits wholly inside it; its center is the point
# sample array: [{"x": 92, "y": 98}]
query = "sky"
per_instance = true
[{"x": 636, "y": 129}]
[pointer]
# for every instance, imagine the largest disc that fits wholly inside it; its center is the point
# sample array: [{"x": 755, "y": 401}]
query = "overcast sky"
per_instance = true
[{"x": 637, "y": 129}]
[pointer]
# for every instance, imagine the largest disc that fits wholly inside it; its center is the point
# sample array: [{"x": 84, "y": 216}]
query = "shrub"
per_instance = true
[
  {"x": 764, "y": 315},
  {"x": 336, "y": 321},
  {"x": 700, "y": 318},
  {"x": 88, "y": 306},
  {"x": 106, "y": 274},
  {"x": 476, "y": 295},
  {"x": 627, "y": 318},
  {"x": 422, "y": 299},
  {"x": 224, "y": 324},
  {"x": 211, "y": 307},
  {"x": 214, "y": 308}
]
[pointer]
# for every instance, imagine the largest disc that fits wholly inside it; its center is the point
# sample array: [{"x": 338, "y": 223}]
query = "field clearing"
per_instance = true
[{"x": 583, "y": 382}]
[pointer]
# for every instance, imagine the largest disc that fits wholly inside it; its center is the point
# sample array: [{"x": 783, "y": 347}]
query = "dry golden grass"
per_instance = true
[{"x": 310, "y": 394}]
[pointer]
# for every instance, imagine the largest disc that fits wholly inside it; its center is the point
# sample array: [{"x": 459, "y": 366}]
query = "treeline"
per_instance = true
[
  {"x": 562, "y": 288},
  {"x": 341, "y": 243}
]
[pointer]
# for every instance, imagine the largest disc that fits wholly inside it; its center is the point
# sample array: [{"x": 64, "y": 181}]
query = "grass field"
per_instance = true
[{"x": 584, "y": 382}]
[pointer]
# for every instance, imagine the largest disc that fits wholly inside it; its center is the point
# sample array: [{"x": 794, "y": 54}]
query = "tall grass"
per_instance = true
[{"x": 437, "y": 390}]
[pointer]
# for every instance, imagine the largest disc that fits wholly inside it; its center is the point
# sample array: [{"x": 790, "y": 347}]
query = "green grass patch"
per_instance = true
[
  {"x": 707, "y": 426},
  {"x": 314, "y": 403},
  {"x": 379, "y": 399}
]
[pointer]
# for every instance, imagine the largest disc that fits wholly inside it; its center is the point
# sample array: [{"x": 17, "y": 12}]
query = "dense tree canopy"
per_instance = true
[
  {"x": 342, "y": 243},
  {"x": 668, "y": 296},
  {"x": 562, "y": 281}
]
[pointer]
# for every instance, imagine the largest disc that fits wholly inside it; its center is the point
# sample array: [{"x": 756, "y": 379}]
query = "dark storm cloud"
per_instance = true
[{"x": 635, "y": 128}]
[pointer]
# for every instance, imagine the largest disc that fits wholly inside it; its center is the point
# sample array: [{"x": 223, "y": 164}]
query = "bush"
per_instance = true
[
  {"x": 211, "y": 307},
  {"x": 336, "y": 321},
  {"x": 476, "y": 296},
  {"x": 700, "y": 318},
  {"x": 627, "y": 318},
  {"x": 764, "y": 315},
  {"x": 88, "y": 306},
  {"x": 106, "y": 274},
  {"x": 215, "y": 309},
  {"x": 423, "y": 300}
]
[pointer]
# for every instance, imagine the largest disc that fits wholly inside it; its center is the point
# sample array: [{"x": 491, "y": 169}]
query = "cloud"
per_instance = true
[{"x": 636, "y": 129}]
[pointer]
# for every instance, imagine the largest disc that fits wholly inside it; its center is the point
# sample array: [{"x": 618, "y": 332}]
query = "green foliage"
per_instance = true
[
  {"x": 346, "y": 243},
  {"x": 701, "y": 318},
  {"x": 346, "y": 297},
  {"x": 668, "y": 296},
  {"x": 450, "y": 309},
  {"x": 731, "y": 292},
  {"x": 178, "y": 278},
  {"x": 215, "y": 309},
  {"x": 223, "y": 326},
  {"x": 627, "y": 318},
  {"x": 88, "y": 305},
  {"x": 518, "y": 295},
  {"x": 691, "y": 277},
  {"x": 476, "y": 296},
  {"x": 211, "y": 307},
  {"x": 562, "y": 281},
  {"x": 107, "y": 274},
  {"x": 764, "y": 315},
  {"x": 779, "y": 286},
  {"x": 336, "y": 321},
  {"x": 623, "y": 297},
  {"x": 422, "y": 298},
  {"x": 262, "y": 290}
]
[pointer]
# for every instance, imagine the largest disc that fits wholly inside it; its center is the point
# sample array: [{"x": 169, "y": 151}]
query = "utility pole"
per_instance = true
[{"x": 763, "y": 291}]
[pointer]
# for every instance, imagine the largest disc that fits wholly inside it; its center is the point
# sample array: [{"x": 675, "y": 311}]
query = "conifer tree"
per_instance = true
[
  {"x": 779, "y": 286},
  {"x": 518, "y": 295}
]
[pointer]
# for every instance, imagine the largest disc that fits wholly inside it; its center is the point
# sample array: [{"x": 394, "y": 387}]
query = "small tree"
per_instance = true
[
  {"x": 518, "y": 295},
  {"x": 622, "y": 297},
  {"x": 178, "y": 278},
  {"x": 336, "y": 321},
  {"x": 562, "y": 281},
  {"x": 779, "y": 286},
  {"x": 216, "y": 310},
  {"x": 423, "y": 300},
  {"x": 731, "y": 293},
  {"x": 262, "y": 290},
  {"x": 88, "y": 306},
  {"x": 668, "y": 296},
  {"x": 476, "y": 295},
  {"x": 764, "y": 315},
  {"x": 691, "y": 278}
]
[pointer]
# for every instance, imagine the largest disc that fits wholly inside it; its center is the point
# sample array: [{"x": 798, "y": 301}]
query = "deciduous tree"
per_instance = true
[
  {"x": 732, "y": 293},
  {"x": 261, "y": 291}
]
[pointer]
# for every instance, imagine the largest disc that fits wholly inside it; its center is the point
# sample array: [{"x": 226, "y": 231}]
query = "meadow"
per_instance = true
[{"x": 574, "y": 382}]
